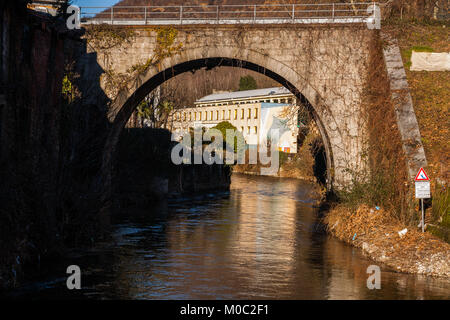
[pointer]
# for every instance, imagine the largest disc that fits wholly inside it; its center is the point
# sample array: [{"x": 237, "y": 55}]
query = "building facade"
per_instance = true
[{"x": 253, "y": 112}]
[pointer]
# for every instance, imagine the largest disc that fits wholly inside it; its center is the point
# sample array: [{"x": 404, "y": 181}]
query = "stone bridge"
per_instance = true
[{"x": 325, "y": 66}]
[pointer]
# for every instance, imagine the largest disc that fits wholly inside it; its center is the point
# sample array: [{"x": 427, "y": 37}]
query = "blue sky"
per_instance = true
[{"x": 94, "y": 3}]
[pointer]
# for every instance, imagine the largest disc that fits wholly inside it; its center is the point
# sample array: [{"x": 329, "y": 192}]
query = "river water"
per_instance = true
[{"x": 261, "y": 240}]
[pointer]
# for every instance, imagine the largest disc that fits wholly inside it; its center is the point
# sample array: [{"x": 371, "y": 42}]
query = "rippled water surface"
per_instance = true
[{"x": 261, "y": 240}]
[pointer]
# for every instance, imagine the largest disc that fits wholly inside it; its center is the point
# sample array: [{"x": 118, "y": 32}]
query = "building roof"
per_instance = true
[{"x": 244, "y": 94}]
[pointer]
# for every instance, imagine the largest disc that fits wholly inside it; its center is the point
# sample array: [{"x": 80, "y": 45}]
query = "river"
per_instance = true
[{"x": 261, "y": 240}]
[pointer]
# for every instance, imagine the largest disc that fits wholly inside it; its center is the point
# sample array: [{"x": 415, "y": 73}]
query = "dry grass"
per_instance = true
[
  {"x": 377, "y": 233},
  {"x": 430, "y": 92}
]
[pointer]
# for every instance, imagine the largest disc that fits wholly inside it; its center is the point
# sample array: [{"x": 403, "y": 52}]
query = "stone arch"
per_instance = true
[{"x": 209, "y": 57}]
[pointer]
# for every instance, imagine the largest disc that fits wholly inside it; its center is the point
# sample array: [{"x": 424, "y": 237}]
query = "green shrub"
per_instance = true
[
  {"x": 239, "y": 141},
  {"x": 247, "y": 83}
]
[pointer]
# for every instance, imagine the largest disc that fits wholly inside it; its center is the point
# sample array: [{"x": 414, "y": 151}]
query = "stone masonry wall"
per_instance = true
[{"x": 327, "y": 64}]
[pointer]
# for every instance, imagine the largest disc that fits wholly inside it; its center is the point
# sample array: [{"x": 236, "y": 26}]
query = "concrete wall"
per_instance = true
[
  {"x": 273, "y": 117},
  {"x": 403, "y": 105}
]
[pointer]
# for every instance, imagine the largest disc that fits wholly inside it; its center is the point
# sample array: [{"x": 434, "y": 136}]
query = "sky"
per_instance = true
[{"x": 94, "y": 3}]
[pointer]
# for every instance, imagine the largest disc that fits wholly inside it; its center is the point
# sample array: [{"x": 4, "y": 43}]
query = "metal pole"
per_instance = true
[
  {"x": 217, "y": 13},
  {"x": 181, "y": 14},
  {"x": 112, "y": 15},
  {"x": 333, "y": 11},
  {"x": 254, "y": 13},
  {"x": 145, "y": 15},
  {"x": 293, "y": 12},
  {"x": 423, "y": 217}
]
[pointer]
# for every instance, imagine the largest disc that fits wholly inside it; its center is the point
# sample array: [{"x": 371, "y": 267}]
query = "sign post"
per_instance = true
[{"x": 422, "y": 183}]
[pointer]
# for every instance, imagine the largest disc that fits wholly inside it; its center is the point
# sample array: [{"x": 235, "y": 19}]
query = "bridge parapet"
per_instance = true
[{"x": 332, "y": 13}]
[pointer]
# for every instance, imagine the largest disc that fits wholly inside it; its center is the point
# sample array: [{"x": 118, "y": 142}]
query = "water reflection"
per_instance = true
[{"x": 259, "y": 241}]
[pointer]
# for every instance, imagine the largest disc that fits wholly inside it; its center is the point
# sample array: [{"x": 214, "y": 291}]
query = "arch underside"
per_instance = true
[{"x": 124, "y": 106}]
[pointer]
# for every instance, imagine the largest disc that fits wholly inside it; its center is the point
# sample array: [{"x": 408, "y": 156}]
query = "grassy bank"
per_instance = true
[{"x": 430, "y": 92}]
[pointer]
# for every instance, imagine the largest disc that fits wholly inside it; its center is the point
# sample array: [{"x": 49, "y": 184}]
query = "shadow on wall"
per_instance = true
[
  {"x": 144, "y": 172},
  {"x": 50, "y": 150}
]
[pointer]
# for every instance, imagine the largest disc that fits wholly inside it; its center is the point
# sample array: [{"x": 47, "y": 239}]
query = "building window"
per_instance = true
[
  {"x": 290, "y": 100},
  {"x": 249, "y": 116},
  {"x": 206, "y": 115},
  {"x": 200, "y": 116},
  {"x": 256, "y": 113},
  {"x": 275, "y": 100},
  {"x": 242, "y": 113},
  {"x": 184, "y": 116},
  {"x": 242, "y": 129},
  {"x": 190, "y": 116},
  {"x": 211, "y": 115},
  {"x": 283, "y": 101},
  {"x": 217, "y": 115},
  {"x": 248, "y": 130},
  {"x": 229, "y": 114},
  {"x": 235, "y": 114},
  {"x": 256, "y": 130},
  {"x": 223, "y": 114}
]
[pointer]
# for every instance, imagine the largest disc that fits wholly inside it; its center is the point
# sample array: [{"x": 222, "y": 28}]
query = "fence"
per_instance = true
[{"x": 229, "y": 14}]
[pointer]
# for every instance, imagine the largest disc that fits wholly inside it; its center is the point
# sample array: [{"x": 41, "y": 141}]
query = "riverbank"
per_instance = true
[
  {"x": 294, "y": 173},
  {"x": 377, "y": 234}
]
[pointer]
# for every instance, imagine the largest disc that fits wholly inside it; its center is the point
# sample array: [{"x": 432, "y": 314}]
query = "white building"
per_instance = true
[{"x": 254, "y": 113}]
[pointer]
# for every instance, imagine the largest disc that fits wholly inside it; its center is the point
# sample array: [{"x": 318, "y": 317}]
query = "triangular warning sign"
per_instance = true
[{"x": 422, "y": 176}]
